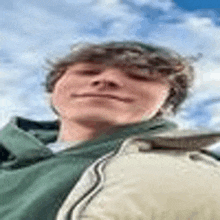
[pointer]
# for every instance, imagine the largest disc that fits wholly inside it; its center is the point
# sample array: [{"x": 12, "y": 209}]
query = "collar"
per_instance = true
[{"x": 26, "y": 139}]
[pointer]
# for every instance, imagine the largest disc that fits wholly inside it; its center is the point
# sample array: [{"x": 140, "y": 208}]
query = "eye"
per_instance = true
[
  {"x": 145, "y": 75},
  {"x": 138, "y": 77},
  {"x": 88, "y": 72}
]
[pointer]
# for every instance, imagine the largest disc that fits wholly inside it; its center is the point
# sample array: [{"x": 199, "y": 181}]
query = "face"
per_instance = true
[{"x": 94, "y": 92}]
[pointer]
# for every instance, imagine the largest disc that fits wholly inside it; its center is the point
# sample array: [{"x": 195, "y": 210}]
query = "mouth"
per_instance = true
[{"x": 107, "y": 96}]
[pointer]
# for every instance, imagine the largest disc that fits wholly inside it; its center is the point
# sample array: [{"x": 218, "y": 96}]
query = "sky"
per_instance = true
[
  {"x": 198, "y": 4},
  {"x": 35, "y": 30}
]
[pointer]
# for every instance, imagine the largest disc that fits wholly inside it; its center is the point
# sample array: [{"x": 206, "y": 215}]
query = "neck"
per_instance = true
[{"x": 86, "y": 130}]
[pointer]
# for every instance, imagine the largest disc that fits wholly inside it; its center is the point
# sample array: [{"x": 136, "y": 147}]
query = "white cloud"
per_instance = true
[
  {"x": 107, "y": 3},
  {"x": 160, "y": 4},
  {"x": 74, "y": 2},
  {"x": 197, "y": 23}
]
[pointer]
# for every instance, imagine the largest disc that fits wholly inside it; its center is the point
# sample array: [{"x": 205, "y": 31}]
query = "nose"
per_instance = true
[{"x": 108, "y": 79}]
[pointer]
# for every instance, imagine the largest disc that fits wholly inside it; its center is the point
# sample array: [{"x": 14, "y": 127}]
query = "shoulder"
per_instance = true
[
  {"x": 21, "y": 135},
  {"x": 149, "y": 171}
]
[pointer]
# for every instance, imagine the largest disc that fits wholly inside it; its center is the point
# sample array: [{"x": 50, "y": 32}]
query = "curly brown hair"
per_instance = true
[{"x": 146, "y": 59}]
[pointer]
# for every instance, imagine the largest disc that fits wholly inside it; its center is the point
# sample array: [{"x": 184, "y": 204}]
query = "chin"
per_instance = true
[
  {"x": 102, "y": 117},
  {"x": 92, "y": 117}
]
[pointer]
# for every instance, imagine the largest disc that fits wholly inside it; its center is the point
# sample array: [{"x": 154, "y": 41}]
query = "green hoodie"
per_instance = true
[{"x": 34, "y": 182}]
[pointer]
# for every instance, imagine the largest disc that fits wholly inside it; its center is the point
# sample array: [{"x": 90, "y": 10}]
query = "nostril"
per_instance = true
[
  {"x": 104, "y": 83},
  {"x": 95, "y": 83},
  {"x": 111, "y": 84}
]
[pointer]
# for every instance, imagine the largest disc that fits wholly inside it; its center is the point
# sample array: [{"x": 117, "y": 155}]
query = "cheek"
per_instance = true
[
  {"x": 161, "y": 95},
  {"x": 56, "y": 98},
  {"x": 64, "y": 84},
  {"x": 155, "y": 95},
  {"x": 154, "y": 102},
  {"x": 61, "y": 92}
]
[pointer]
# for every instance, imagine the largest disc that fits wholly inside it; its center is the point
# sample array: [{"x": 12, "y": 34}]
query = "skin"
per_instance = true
[{"x": 91, "y": 97}]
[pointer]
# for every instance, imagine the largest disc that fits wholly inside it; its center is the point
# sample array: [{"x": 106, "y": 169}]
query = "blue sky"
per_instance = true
[
  {"x": 33, "y": 30},
  {"x": 198, "y": 4}
]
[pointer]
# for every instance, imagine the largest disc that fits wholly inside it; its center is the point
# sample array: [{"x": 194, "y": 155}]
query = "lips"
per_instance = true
[{"x": 109, "y": 96}]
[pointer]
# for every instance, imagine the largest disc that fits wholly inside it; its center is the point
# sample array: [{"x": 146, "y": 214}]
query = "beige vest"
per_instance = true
[{"x": 164, "y": 178}]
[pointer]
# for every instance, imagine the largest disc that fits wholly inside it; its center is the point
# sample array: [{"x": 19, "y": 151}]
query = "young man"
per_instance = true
[{"x": 106, "y": 156}]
